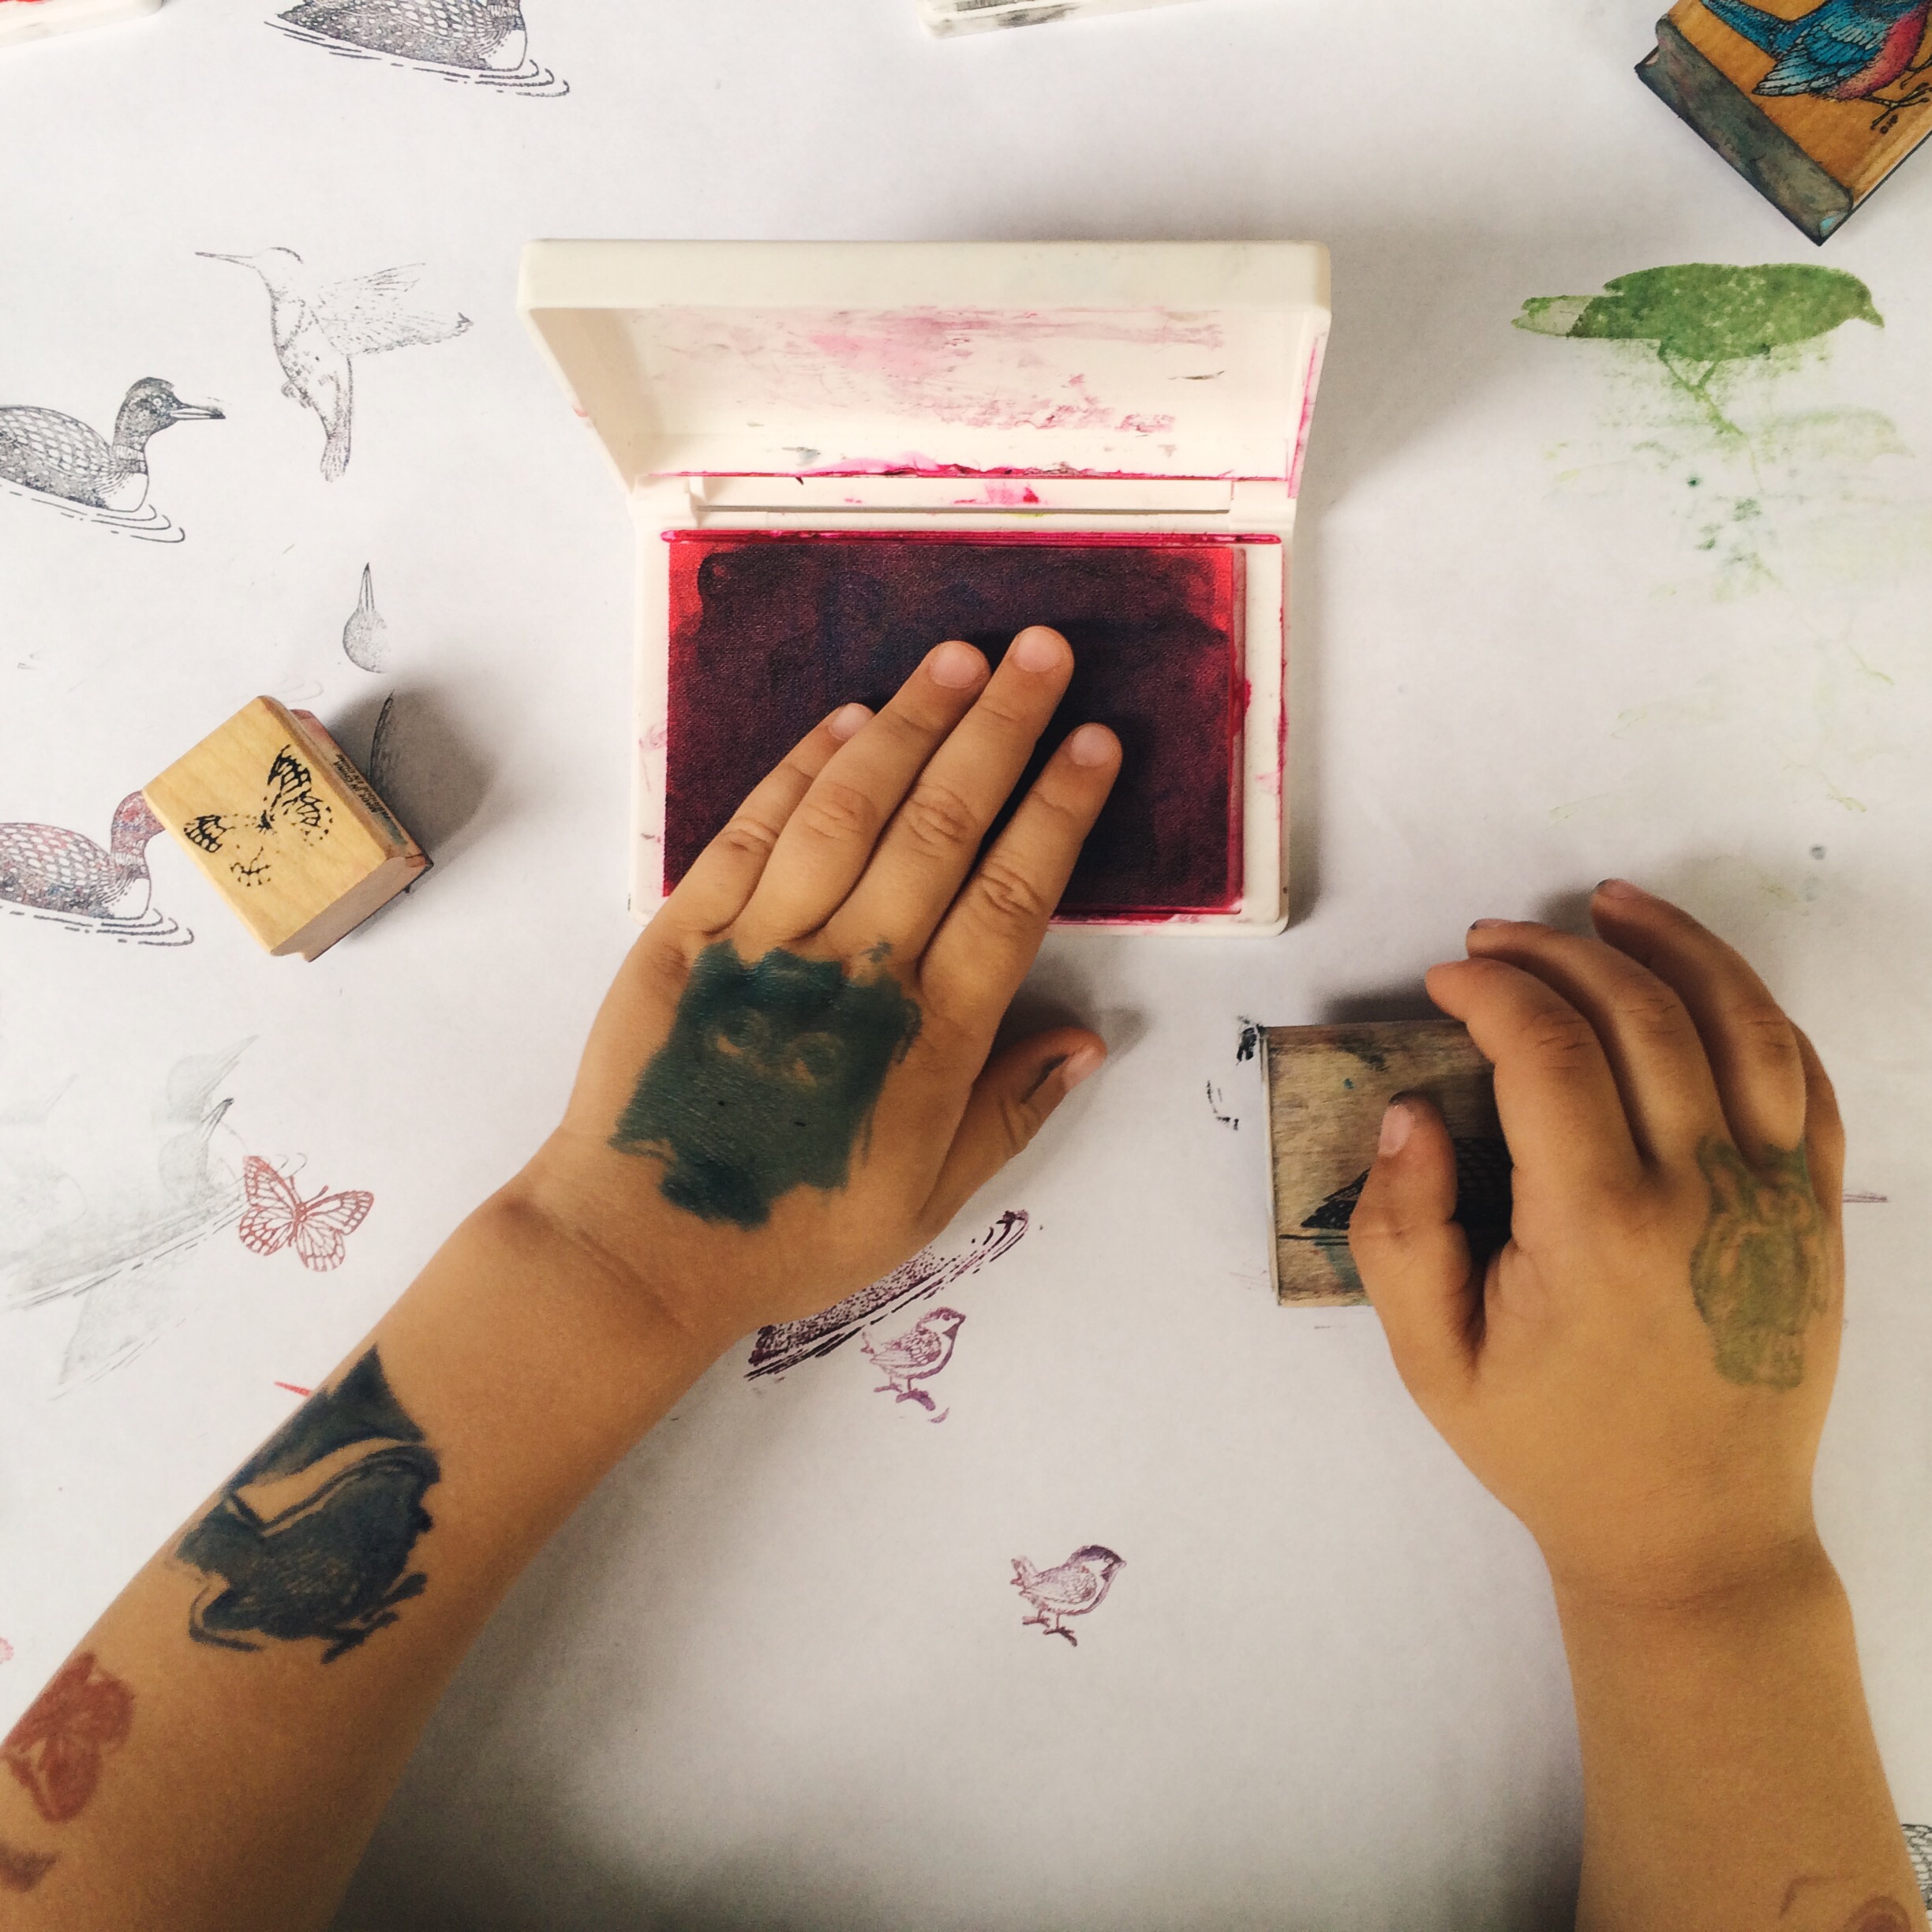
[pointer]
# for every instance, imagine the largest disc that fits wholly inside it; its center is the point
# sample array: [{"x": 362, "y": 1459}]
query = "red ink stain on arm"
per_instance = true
[{"x": 55, "y": 1750}]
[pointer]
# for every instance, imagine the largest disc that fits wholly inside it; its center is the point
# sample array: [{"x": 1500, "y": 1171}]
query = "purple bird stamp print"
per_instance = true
[
  {"x": 916, "y": 1356},
  {"x": 785, "y": 1345},
  {"x": 1075, "y": 1588}
]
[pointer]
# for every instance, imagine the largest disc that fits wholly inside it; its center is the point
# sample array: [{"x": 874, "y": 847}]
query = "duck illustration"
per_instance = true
[
  {"x": 486, "y": 33},
  {"x": 318, "y": 327},
  {"x": 60, "y": 455},
  {"x": 56, "y": 871}
]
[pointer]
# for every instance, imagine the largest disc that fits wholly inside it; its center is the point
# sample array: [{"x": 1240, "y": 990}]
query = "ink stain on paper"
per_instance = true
[
  {"x": 54, "y": 1752},
  {"x": 366, "y": 635},
  {"x": 784, "y": 1345},
  {"x": 769, "y": 633},
  {"x": 57, "y": 459},
  {"x": 481, "y": 42},
  {"x": 767, "y": 1082},
  {"x": 1727, "y": 426},
  {"x": 916, "y": 1356},
  {"x": 1701, "y": 317},
  {"x": 1076, "y": 1588}
]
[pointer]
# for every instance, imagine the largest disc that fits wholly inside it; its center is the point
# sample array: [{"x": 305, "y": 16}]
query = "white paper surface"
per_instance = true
[{"x": 774, "y": 1673}]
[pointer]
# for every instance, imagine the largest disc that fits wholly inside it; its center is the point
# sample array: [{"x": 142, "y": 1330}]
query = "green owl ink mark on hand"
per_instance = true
[
  {"x": 1760, "y": 1270},
  {"x": 768, "y": 1080}
]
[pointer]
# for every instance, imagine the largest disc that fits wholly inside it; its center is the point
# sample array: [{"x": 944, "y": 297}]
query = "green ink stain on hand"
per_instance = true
[
  {"x": 767, "y": 1082},
  {"x": 1701, "y": 316},
  {"x": 1760, "y": 1270}
]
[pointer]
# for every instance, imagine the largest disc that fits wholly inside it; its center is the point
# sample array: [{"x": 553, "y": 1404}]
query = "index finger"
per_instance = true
[{"x": 1555, "y": 1093}]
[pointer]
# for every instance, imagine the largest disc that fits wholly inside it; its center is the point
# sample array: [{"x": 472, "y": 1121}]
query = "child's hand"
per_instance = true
[
  {"x": 1641, "y": 1374},
  {"x": 788, "y": 1090}
]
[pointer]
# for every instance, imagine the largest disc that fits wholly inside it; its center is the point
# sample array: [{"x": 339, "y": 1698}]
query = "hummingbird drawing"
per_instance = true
[
  {"x": 1844, "y": 49},
  {"x": 319, "y": 327}
]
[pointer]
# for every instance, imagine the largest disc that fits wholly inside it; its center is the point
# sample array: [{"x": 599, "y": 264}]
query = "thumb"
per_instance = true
[
  {"x": 1412, "y": 1254},
  {"x": 1010, "y": 1103}
]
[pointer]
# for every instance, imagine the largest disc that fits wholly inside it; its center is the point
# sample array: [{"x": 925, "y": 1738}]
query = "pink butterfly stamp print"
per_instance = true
[{"x": 277, "y": 1217}]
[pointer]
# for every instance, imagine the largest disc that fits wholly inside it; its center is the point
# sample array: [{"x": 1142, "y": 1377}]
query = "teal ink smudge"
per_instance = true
[
  {"x": 1702, "y": 316},
  {"x": 767, "y": 1082}
]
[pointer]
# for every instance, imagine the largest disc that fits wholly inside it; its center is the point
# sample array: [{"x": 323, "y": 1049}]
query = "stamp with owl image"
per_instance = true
[{"x": 310, "y": 1538}]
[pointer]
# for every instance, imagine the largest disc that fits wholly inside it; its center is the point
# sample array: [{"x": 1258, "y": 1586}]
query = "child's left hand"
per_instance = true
[{"x": 788, "y": 1090}]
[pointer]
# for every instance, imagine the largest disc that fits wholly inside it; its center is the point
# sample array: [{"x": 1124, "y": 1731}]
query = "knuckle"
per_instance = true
[
  {"x": 1017, "y": 1124},
  {"x": 1652, "y": 1013},
  {"x": 1763, "y": 1030},
  {"x": 1561, "y": 1038},
  {"x": 835, "y": 811},
  {"x": 746, "y": 837},
  {"x": 1008, "y": 896},
  {"x": 937, "y": 820}
]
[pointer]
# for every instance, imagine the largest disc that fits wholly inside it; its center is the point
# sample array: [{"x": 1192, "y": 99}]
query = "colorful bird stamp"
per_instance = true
[{"x": 1076, "y": 1588}]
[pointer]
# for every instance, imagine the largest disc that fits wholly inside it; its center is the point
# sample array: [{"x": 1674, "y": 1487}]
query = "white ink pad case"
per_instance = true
[{"x": 837, "y": 454}]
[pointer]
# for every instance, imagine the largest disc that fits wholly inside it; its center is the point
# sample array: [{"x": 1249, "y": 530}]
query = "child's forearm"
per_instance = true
[
  {"x": 277, "y": 1659},
  {"x": 1730, "y": 1775}
]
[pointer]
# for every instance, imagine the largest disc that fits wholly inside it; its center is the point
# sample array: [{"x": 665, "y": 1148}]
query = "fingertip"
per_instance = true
[
  {"x": 848, "y": 721},
  {"x": 1040, "y": 648},
  {"x": 1093, "y": 746},
  {"x": 1082, "y": 1063},
  {"x": 1398, "y": 1125},
  {"x": 955, "y": 665}
]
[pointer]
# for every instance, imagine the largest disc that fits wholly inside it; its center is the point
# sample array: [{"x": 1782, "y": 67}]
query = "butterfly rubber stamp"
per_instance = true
[
  {"x": 277, "y": 1217},
  {"x": 292, "y": 814}
]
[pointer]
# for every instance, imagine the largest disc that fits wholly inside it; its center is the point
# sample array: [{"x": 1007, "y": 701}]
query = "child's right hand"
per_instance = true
[{"x": 1641, "y": 1374}]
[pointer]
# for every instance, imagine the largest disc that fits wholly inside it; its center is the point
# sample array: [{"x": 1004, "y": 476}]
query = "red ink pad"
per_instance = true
[{"x": 769, "y": 632}]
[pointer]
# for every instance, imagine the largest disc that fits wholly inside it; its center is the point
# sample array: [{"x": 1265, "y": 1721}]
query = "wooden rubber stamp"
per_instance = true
[
  {"x": 1326, "y": 1087},
  {"x": 1814, "y": 101},
  {"x": 293, "y": 835}
]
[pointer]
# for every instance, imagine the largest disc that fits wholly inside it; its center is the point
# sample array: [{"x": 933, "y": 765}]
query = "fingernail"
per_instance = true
[
  {"x": 1619, "y": 888},
  {"x": 1039, "y": 649},
  {"x": 1482, "y": 925},
  {"x": 955, "y": 665},
  {"x": 1079, "y": 1064},
  {"x": 1397, "y": 1121},
  {"x": 846, "y": 722},
  {"x": 1092, "y": 744}
]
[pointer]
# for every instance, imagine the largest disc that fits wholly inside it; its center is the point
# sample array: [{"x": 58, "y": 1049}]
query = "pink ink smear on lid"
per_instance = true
[{"x": 772, "y": 631}]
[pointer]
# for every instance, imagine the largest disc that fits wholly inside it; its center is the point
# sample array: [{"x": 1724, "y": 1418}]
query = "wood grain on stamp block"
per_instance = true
[
  {"x": 1816, "y": 155},
  {"x": 1327, "y": 1088},
  {"x": 294, "y": 836}
]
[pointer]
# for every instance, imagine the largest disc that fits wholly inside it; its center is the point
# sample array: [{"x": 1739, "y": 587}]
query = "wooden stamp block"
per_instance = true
[
  {"x": 1327, "y": 1088},
  {"x": 1814, "y": 101},
  {"x": 294, "y": 837}
]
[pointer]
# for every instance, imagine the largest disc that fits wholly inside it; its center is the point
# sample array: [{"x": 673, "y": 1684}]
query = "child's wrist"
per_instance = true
[{"x": 1733, "y": 1588}]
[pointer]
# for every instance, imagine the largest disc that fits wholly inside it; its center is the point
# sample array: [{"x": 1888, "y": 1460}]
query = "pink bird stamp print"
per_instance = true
[
  {"x": 277, "y": 1217},
  {"x": 916, "y": 1356},
  {"x": 1075, "y": 1588}
]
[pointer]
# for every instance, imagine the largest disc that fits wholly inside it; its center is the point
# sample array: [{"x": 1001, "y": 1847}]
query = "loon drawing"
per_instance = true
[
  {"x": 60, "y": 456},
  {"x": 319, "y": 327},
  {"x": 485, "y": 34}
]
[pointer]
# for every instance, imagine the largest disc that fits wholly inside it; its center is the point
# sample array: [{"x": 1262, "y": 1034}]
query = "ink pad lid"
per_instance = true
[{"x": 1119, "y": 360}]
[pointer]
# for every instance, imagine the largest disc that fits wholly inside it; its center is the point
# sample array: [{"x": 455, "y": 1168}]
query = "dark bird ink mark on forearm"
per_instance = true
[
  {"x": 312, "y": 1535},
  {"x": 20, "y": 1871},
  {"x": 1759, "y": 1270},
  {"x": 767, "y": 1082},
  {"x": 55, "y": 1750}
]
